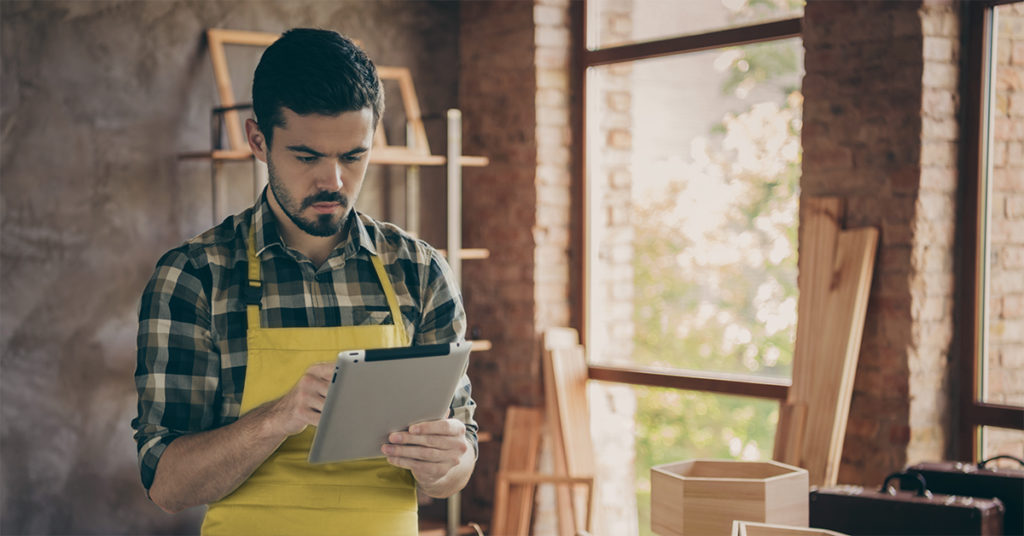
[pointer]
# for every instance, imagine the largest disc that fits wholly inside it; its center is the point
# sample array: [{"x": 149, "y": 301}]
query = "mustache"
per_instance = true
[{"x": 325, "y": 197}]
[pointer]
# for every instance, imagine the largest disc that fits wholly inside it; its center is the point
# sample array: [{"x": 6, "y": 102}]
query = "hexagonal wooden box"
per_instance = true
[
  {"x": 750, "y": 528},
  {"x": 703, "y": 497}
]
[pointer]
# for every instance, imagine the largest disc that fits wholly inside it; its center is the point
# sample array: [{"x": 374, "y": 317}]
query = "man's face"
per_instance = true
[{"x": 316, "y": 165}]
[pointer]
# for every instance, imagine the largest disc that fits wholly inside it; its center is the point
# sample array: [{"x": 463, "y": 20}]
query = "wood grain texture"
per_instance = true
[
  {"x": 703, "y": 496},
  {"x": 820, "y": 223},
  {"x": 568, "y": 417},
  {"x": 513, "y": 504}
]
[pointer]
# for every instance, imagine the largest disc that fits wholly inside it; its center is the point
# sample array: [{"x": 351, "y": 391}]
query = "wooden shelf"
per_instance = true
[
  {"x": 379, "y": 156},
  {"x": 470, "y": 253},
  {"x": 481, "y": 345}
]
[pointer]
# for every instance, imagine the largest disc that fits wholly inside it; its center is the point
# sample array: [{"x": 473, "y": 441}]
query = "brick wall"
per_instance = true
[
  {"x": 611, "y": 325},
  {"x": 880, "y": 104},
  {"x": 1005, "y": 382},
  {"x": 497, "y": 94}
]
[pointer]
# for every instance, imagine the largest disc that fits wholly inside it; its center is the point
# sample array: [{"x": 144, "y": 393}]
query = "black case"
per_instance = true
[
  {"x": 856, "y": 511},
  {"x": 958, "y": 478}
]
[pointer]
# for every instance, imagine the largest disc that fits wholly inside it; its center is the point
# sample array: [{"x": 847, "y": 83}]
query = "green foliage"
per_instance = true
[{"x": 721, "y": 298}]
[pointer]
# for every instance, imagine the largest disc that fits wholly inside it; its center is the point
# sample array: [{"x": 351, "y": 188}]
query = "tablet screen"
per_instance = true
[{"x": 377, "y": 392}]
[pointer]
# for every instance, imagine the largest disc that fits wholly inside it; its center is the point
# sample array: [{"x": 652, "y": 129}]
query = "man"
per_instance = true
[{"x": 239, "y": 327}]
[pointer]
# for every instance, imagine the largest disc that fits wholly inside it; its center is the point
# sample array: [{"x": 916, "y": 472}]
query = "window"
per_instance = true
[
  {"x": 992, "y": 269},
  {"x": 692, "y": 164}
]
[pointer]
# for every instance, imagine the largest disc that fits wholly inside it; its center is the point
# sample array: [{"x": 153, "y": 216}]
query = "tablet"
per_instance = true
[{"x": 376, "y": 392}]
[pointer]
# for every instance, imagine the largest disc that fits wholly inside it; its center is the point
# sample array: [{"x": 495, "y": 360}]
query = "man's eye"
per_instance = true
[
  {"x": 306, "y": 159},
  {"x": 351, "y": 159}
]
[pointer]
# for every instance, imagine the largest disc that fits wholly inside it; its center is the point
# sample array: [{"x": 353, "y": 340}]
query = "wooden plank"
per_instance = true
[
  {"x": 470, "y": 253},
  {"x": 556, "y": 339},
  {"x": 820, "y": 223},
  {"x": 569, "y": 369},
  {"x": 789, "y": 435},
  {"x": 831, "y": 385},
  {"x": 571, "y": 420},
  {"x": 513, "y": 505}
]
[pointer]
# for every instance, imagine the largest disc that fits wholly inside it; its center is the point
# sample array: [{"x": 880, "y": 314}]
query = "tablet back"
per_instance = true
[{"x": 377, "y": 392}]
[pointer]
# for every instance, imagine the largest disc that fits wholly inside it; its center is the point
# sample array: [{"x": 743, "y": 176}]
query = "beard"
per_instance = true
[{"x": 322, "y": 225}]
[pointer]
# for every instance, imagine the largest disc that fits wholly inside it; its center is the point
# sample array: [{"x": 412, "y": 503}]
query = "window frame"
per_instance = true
[
  {"x": 973, "y": 412},
  {"x": 585, "y": 58}
]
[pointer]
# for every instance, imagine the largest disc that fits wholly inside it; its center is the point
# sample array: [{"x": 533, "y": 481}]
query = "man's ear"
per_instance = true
[{"x": 257, "y": 142}]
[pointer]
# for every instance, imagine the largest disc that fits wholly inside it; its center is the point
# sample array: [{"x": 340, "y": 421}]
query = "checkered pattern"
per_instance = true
[{"x": 192, "y": 320}]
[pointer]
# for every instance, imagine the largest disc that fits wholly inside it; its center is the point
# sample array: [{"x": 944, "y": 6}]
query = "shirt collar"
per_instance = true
[{"x": 267, "y": 234}]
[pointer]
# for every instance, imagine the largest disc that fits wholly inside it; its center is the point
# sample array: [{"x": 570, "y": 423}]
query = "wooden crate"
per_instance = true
[
  {"x": 703, "y": 497},
  {"x": 749, "y": 528}
]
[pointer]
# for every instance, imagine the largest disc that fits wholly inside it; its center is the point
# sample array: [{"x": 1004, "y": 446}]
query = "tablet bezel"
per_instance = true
[{"x": 356, "y": 421}]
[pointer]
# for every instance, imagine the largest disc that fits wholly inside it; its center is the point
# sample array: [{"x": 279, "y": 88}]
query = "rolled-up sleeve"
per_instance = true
[
  {"x": 444, "y": 320},
  {"x": 178, "y": 365}
]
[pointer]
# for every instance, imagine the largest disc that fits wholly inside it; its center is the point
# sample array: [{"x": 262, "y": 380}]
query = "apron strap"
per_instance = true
[
  {"x": 253, "y": 292},
  {"x": 389, "y": 293}
]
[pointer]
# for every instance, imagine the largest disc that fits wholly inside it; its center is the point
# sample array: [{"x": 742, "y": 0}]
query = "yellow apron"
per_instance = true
[{"x": 288, "y": 495}]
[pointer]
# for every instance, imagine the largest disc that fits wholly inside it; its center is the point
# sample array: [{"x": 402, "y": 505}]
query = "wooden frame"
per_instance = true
[
  {"x": 413, "y": 117},
  {"x": 974, "y": 414},
  {"x": 216, "y": 38}
]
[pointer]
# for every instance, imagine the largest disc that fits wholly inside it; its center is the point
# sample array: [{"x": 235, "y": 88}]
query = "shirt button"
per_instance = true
[{"x": 323, "y": 276}]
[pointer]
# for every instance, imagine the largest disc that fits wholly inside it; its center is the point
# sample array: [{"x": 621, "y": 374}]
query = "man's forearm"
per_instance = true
[
  {"x": 205, "y": 467},
  {"x": 455, "y": 480}
]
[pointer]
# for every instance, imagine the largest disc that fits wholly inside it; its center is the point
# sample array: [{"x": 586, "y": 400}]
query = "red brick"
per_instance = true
[
  {"x": 1017, "y": 54},
  {"x": 1015, "y": 206},
  {"x": 939, "y": 48},
  {"x": 546, "y": 36},
  {"x": 1013, "y": 306},
  {"x": 938, "y": 154},
  {"x": 1009, "y": 79},
  {"x": 941, "y": 75},
  {"x": 939, "y": 102},
  {"x": 1015, "y": 153},
  {"x": 552, "y": 58},
  {"x": 899, "y": 434},
  {"x": 1009, "y": 179},
  {"x": 1011, "y": 257},
  {"x": 1017, "y": 104},
  {"x": 620, "y": 139},
  {"x": 862, "y": 427}
]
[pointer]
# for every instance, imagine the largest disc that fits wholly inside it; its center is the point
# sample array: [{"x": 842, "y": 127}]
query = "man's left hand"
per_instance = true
[{"x": 429, "y": 449}]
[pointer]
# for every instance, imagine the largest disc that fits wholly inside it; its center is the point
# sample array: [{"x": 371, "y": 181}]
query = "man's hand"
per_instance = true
[
  {"x": 437, "y": 453},
  {"x": 204, "y": 467},
  {"x": 302, "y": 406}
]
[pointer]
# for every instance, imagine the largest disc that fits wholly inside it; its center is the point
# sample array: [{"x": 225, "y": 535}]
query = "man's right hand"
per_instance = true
[
  {"x": 204, "y": 467},
  {"x": 302, "y": 405}
]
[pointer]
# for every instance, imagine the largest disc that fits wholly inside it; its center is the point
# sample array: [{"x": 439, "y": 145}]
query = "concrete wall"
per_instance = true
[{"x": 97, "y": 99}]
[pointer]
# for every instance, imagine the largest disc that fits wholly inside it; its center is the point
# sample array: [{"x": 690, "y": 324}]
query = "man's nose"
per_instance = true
[{"x": 332, "y": 179}]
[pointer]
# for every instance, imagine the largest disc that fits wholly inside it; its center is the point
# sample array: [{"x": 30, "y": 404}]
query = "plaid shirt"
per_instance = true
[{"x": 192, "y": 320}]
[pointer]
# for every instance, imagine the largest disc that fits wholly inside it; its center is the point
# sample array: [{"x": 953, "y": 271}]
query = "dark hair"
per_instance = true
[{"x": 313, "y": 71}]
